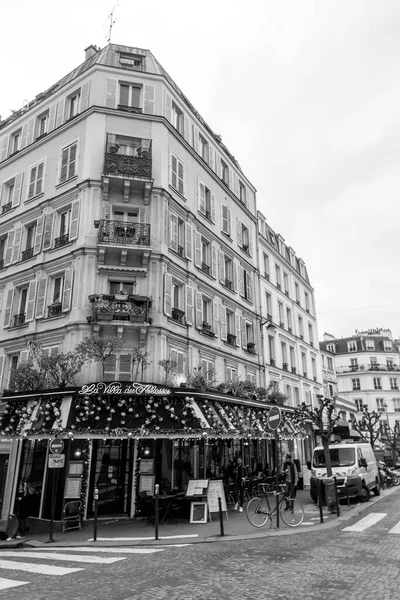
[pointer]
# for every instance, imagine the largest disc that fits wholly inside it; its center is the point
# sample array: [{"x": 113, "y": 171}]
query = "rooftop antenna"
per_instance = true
[{"x": 112, "y": 21}]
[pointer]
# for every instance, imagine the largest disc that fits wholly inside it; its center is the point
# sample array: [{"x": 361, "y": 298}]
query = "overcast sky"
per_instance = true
[{"x": 306, "y": 95}]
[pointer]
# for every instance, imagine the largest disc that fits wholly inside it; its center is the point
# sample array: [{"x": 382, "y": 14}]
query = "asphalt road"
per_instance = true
[{"x": 356, "y": 559}]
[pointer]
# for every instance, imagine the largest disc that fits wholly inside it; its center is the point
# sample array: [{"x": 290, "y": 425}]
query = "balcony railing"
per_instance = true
[
  {"x": 130, "y": 161},
  {"x": 27, "y": 254},
  {"x": 367, "y": 367},
  {"x": 19, "y": 319},
  {"x": 6, "y": 208},
  {"x": 231, "y": 339},
  {"x": 61, "y": 241},
  {"x": 178, "y": 315},
  {"x": 205, "y": 268},
  {"x": 117, "y": 232},
  {"x": 116, "y": 308},
  {"x": 54, "y": 310},
  {"x": 207, "y": 329}
]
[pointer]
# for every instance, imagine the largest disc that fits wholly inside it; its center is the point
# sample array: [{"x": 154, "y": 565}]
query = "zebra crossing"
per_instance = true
[
  {"x": 46, "y": 561},
  {"x": 368, "y": 522}
]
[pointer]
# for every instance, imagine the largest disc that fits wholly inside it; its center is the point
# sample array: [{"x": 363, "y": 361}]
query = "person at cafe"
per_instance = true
[
  {"x": 240, "y": 474},
  {"x": 291, "y": 480}
]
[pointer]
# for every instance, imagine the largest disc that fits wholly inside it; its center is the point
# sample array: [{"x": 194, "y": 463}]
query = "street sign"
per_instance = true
[
  {"x": 56, "y": 461},
  {"x": 56, "y": 446},
  {"x": 274, "y": 418}
]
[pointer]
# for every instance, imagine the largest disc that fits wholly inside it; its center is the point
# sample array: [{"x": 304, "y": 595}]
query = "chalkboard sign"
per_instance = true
[
  {"x": 198, "y": 512},
  {"x": 215, "y": 491},
  {"x": 73, "y": 486}
]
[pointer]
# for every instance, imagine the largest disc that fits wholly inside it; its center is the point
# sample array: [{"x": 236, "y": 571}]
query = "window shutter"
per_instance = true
[
  {"x": 221, "y": 265},
  {"x": 173, "y": 233},
  {"x": 110, "y": 368},
  {"x": 48, "y": 231},
  {"x": 31, "y": 131},
  {"x": 224, "y": 331},
  {"x": 237, "y": 327},
  {"x": 186, "y": 128},
  {"x": 189, "y": 305},
  {"x": 41, "y": 297},
  {"x": 202, "y": 197},
  {"x": 168, "y": 107},
  {"x": 218, "y": 166},
  {"x": 180, "y": 363},
  {"x": 73, "y": 229},
  {"x": 173, "y": 356},
  {"x": 231, "y": 184},
  {"x": 249, "y": 284},
  {"x": 181, "y": 178},
  {"x": 197, "y": 249},
  {"x": 125, "y": 365},
  {"x": 212, "y": 207},
  {"x": 149, "y": 99},
  {"x": 236, "y": 185},
  {"x": 174, "y": 171},
  {"x": 31, "y": 297},
  {"x": 8, "y": 310},
  {"x": 52, "y": 117},
  {"x": 142, "y": 215},
  {"x": 188, "y": 233},
  {"x": 67, "y": 293},
  {"x": 64, "y": 165},
  {"x": 4, "y": 148},
  {"x": 215, "y": 318},
  {"x": 24, "y": 135},
  {"x": 255, "y": 336},
  {"x": 2, "y": 358},
  {"x": 250, "y": 242},
  {"x": 235, "y": 276},
  {"x": 241, "y": 281},
  {"x": 168, "y": 294},
  {"x": 85, "y": 96},
  {"x": 229, "y": 220},
  {"x": 17, "y": 190},
  {"x": 17, "y": 245},
  {"x": 243, "y": 332},
  {"x": 60, "y": 112},
  {"x": 211, "y": 156},
  {"x": 110, "y": 99},
  {"x": 10, "y": 244},
  {"x": 199, "y": 310},
  {"x": 72, "y": 160},
  {"x": 195, "y": 139},
  {"x": 39, "y": 235},
  {"x": 239, "y": 231},
  {"x": 214, "y": 261},
  {"x": 224, "y": 218},
  {"x": 32, "y": 181}
]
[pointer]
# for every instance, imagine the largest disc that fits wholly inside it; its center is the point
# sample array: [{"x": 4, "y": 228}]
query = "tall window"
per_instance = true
[
  {"x": 242, "y": 193},
  {"x": 268, "y": 300},
  {"x": 129, "y": 95},
  {"x": 203, "y": 148},
  {"x": 352, "y": 346},
  {"x": 224, "y": 172},
  {"x": 286, "y": 283},
  {"x": 280, "y": 314},
  {"x": 393, "y": 383},
  {"x": 228, "y": 272},
  {"x": 207, "y": 368},
  {"x": 36, "y": 180},
  {"x": 289, "y": 319},
  {"x": 68, "y": 162},
  {"x": 15, "y": 142},
  {"x": 271, "y": 349},
  {"x": 73, "y": 105},
  {"x": 226, "y": 220},
  {"x": 247, "y": 285},
  {"x": 278, "y": 276},
  {"x": 330, "y": 363},
  {"x": 177, "y": 118},
  {"x": 310, "y": 334},
  {"x": 380, "y": 405},
  {"x": 356, "y": 383},
  {"x": 205, "y": 200},
  {"x": 377, "y": 383},
  {"x": 266, "y": 266},
  {"x": 301, "y": 329},
  {"x": 42, "y": 124},
  {"x": 292, "y": 359},
  {"x": 307, "y": 301},
  {"x": 304, "y": 363},
  {"x": 297, "y": 292},
  {"x": 314, "y": 368},
  {"x": 177, "y": 174},
  {"x": 359, "y": 404}
]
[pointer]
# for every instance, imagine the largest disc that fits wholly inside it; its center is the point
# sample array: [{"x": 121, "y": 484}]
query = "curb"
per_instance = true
[{"x": 359, "y": 508}]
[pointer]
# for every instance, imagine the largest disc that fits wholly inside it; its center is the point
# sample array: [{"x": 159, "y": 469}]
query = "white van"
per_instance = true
[{"x": 354, "y": 465}]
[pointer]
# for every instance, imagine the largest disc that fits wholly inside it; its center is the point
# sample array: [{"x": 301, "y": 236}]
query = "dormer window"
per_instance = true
[
  {"x": 370, "y": 345},
  {"x": 387, "y": 345},
  {"x": 352, "y": 346},
  {"x": 131, "y": 61}
]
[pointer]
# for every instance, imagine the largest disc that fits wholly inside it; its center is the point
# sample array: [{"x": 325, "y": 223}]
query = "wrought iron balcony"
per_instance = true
[
  {"x": 207, "y": 329},
  {"x": 178, "y": 315},
  {"x": 129, "y": 161},
  {"x": 231, "y": 339},
  {"x": 61, "y": 241},
  {"x": 117, "y": 232},
  {"x": 54, "y": 310},
  {"x": 205, "y": 268},
  {"x": 19, "y": 319},
  {"x": 131, "y": 307},
  {"x": 6, "y": 208},
  {"x": 251, "y": 347},
  {"x": 27, "y": 254}
]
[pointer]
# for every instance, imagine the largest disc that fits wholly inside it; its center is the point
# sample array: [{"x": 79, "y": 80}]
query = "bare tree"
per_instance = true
[
  {"x": 140, "y": 359},
  {"x": 99, "y": 349},
  {"x": 169, "y": 370},
  {"x": 390, "y": 436},
  {"x": 368, "y": 425}
]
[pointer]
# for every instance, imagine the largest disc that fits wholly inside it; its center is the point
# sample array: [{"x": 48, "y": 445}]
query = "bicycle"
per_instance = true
[{"x": 258, "y": 510}]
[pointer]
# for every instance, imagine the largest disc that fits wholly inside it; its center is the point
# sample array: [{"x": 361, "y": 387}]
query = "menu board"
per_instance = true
[
  {"x": 215, "y": 491},
  {"x": 73, "y": 487},
  {"x": 197, "y": 487},
  {"x": 147, "y": 466},
  {"x": 146, "y": 484},
  {"x": 198, "y": 512}
]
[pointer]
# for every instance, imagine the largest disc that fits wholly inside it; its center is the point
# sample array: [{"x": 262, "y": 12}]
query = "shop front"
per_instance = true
[{"x": 123, "y": 438}]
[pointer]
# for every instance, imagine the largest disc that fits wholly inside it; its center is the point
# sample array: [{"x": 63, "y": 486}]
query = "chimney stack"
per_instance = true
[{"x": 90, "y": 51}]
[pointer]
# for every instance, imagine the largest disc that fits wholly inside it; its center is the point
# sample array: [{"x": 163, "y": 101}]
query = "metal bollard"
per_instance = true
[
  {"x": 221, "y": 520},
  {"x": 96, "y": 500},
  {"x": 321, "y": 514},
  {"x": 336, "y": 497},
  {"x": 156, "y": 509}
]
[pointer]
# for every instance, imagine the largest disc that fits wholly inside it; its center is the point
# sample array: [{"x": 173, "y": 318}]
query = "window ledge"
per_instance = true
[
  {"x": 227, "y": 235},
  {"x": 53, "y": 249},
  {"x": 246, "y": 300},
  {"x": 45, "y": 319},
  {"x": 66, "y": 181},
  {"x": 22, "y": 326},
  {"x": 246, "y": 252},
  {"x": 206, "y": 274},
  {"x": 175, "y": 322},
  {"x": 206, "y": 218},
  {"x": 177, "y": 192},
  {"x": 28, "y": 200},
  {"x": 179, "y": 255},
  {"x": 230, "y": 289}
]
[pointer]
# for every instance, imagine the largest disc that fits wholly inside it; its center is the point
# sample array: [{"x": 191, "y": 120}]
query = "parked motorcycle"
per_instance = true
[{"x": 388, "y": 476}]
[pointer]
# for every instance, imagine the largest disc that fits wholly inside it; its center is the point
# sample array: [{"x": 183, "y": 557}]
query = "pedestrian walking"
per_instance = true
[
  {"x": 291, "y": 480},
  {"x": 26, "y": 506},
  {"x": 240, "y": 475}
]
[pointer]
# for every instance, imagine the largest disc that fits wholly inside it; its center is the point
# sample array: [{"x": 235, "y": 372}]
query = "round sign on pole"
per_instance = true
[
  {"x": 56, "y": 446},
  {"x": 274, "y": 418}
]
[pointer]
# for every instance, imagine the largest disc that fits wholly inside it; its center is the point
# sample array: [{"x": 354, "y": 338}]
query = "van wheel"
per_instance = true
[
  {"x": 365, "y": 493},
  {"x": 377, "y": 489}
]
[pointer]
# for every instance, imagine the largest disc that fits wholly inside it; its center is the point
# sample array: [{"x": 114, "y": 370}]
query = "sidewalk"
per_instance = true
[{"x": 132, "y": 532}]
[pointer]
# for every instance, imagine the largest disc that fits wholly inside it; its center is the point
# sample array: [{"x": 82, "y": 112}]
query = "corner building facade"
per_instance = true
[{"x": 122, "y": 213}]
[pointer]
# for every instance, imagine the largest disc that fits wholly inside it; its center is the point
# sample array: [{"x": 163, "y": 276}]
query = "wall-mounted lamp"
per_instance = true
[
  {"x": 270, "y": 325},
  {"x": 78, "y": 453},
  {"x": 96, "y": 223},
  {"x": 146, "y": 451}
]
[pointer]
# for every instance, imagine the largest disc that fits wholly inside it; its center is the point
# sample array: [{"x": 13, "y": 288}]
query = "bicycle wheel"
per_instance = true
[
  {"x": 257, "y": 511},
  {"x": 292, "y": 517}
]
